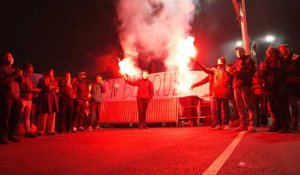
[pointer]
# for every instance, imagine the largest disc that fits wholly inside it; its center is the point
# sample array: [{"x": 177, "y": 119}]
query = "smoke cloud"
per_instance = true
[{"x": 152, "y": 29}]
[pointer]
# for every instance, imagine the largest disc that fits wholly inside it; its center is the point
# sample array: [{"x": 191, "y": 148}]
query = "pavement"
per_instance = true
[{"x": 161, "y": 150}]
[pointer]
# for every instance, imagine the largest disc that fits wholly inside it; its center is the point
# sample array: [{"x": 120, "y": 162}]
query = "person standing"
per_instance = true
[
  {"x": 242, "y": 70},
  {"x": 293, "y": 81},
  {"x": 96, "y": 90},
  {"x": 27, "y": 90},
  {"x": 66, "y": 98},
  {"x": 144, "y": 96},
  {"x": 274, "y": 71},
  {"x": 48, "y": 103},
  {"x": 212, "y": 101},
  {"x": 260, "y": 99},
  {"x": 10, "y": 103},
  {"x": 82, "y": 95},
  {"x": 221, "y": 92}
]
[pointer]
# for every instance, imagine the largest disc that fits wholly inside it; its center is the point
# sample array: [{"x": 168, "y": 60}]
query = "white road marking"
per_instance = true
[{"x": 218, "y": 163}]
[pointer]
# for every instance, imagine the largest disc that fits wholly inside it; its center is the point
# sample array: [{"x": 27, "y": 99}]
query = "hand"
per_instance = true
[
  {"x": 19, "y": 72},
  {"x": 263, "y": 66},
  {"x": 125, "y": 77},
  {"x": 228, "y": 69},
  {"x": 36, "y": 90}
]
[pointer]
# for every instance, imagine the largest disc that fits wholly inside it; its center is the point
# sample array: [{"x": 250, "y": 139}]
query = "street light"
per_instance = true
[
  {"x": 239, "y": 43},
  {"x": 270, "y": 38}
]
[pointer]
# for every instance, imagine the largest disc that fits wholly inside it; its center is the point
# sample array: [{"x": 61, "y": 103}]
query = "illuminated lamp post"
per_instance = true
[{"x": 240, "y": 10}]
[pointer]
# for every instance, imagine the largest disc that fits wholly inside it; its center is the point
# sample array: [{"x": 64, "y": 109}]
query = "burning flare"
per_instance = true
[
  {"x": 127, "y": 66},
  {"x": 185, "y": 51}
]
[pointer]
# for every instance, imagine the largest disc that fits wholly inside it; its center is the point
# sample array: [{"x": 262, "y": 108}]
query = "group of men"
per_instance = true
[
  {"x": 276, "y": 82},
  {"x": 73, "y": 100}
]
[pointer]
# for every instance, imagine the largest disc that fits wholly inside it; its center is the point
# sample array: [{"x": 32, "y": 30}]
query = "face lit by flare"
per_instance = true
[{"x": 145, "y": 75}]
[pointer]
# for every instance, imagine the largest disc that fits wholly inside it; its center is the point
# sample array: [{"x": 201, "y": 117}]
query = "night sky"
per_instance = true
[{"x": 78, "y": 35}]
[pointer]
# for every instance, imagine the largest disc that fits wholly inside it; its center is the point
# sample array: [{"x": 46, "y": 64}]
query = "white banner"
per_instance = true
[{"x": 164, "y": 87}]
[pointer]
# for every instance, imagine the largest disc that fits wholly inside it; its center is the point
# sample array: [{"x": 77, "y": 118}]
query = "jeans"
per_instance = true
[
  {"x": 26, "y": 109},
  {"x": 142, "y": 108},
  {"x": 222, "y": 111},
  {"x": 244, "y": 101}
]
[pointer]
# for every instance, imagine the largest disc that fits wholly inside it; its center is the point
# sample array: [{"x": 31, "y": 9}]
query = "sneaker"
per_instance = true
[
  {"x": 218, "y": 127},
  {"x": 90, "y": 128},
  {"x": 81, "y": 128},
  {"x": 13, "y": 139},
  {"x": 213, "y": 125},
  {"x": 241, "y": 128},
  {"x": 251, "y": 129},
  {"x": 74, "y": 129},
  {"x": 51, "y": 133},
  {"x": 226, "y": 127}
]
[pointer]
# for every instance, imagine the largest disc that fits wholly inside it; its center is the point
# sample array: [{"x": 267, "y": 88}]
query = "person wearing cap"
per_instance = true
[
  {"x": 221, "y": 91},
  {"x": 242, "y": 70},
  {"x": 144, "y": 95},
  {"x": 293, "y": 81},
  {"x": 27, "y": 90},
  {"x": 82, "y": 97},
  {"x": 274, "y": 70},
  {"x": 10, "y": 102}
]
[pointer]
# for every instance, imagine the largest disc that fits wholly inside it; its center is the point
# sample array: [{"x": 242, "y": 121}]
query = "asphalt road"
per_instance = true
[{"x": 164, "y": 150}]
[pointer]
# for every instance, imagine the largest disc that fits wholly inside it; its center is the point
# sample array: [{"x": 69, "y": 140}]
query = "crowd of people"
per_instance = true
[
  {"x": 74, "y": 101},
  {"x": 271, "y": 88}
]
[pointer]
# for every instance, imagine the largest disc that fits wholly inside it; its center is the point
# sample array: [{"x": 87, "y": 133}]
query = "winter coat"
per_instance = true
[
  {"x": 81, "y": 90},
  {"x": 96, "y": 92},
  {"x": 221, "y": 84},
  {"x": 9, "y": 82},
  {"x": 66, "y": 92},
  {"x": 48, "y": 100},
  {"x": 242, "y": 70},
  {"x": 145, "y": 90},
  {"x": 258, "y": 83},
  {"x": 26, "y": 87}
]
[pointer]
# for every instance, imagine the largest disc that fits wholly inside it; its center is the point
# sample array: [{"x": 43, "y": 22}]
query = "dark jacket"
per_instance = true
[
  {"x": 243, "y": 70},
  {"x": 26, "y": 87},
  {"x": 293, "y": 74},
  {"x": 81, "y": 90},
  {"x": 275, "y": 77},
  {"x": 145, "y": 90},
  {"x": 221, "y": 86},
  {"x": 66, "y": 92},
  {"x": 48, "y": 100},
  {"x": 9, "y": 82}
]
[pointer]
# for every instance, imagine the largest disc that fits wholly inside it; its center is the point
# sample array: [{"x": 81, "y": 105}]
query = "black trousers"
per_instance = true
[
  {"x": 260, "y": 102},
  {"x": 280, "y": 109},
  {"x": 78, "y": 118},
  {"x": 10, "y": 112},
  {"x": 65, "y": 117},
  {"x": 142, "y": 108}
]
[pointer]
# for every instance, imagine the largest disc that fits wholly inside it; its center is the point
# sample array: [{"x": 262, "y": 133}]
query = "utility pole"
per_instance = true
[{"x": 240, "y": 11}]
